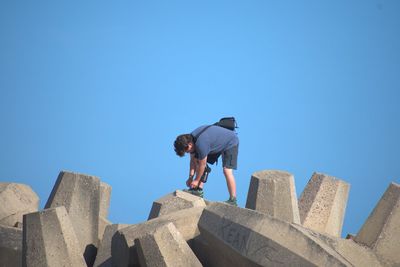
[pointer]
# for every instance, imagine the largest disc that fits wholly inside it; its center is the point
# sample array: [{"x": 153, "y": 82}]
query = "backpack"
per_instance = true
[{"x": 227, "y": 123}]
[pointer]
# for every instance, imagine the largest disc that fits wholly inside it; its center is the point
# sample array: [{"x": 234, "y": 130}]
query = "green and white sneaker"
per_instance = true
[
  {"x": 231, "y": 201},
  {"x": 195, "y": 191}
]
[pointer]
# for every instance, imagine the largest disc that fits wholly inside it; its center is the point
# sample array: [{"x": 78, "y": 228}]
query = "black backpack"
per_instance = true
[{"x": 228, "y": 123}]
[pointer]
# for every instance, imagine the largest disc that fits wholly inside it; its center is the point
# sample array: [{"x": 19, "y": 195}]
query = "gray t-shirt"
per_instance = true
[{"x": 214, "y": 140}]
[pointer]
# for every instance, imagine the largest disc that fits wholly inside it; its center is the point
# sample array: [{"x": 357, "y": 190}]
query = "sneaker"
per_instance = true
[
  {"x": 197, "y": 192},
  {"x": 231, "y": 201}
]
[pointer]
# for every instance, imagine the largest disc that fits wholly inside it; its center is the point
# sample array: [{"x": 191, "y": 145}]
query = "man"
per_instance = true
[{"x": 206, "y": 144}]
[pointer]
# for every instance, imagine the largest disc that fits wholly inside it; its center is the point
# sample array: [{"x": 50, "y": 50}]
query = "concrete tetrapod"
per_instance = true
[
  {"x": 103, "y": 258},
  {"x": 103, "y": 223},
  {"x": 175, "y": 201},
  {"x": 381, "y": 231},
  {"x": 249, "y": 238},
  {"x": 356, "y": 254},
  {"x": 10, "y": 246},
  {"x": 16, "y": 200},
  {"x": 322, "y": 205},
  {"x": 123, "y": 248},
  {"x": 49, "y": 240},
  {"x": 274, "y": 193},
  {"x": 105, "y": 196},
  {"x": 80, "y": 195},
  {"x": 165, "y": 246}
]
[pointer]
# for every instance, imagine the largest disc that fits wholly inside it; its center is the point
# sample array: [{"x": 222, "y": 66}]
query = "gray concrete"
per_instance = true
[
  {"x": 103, "y": 258},
  {"x": 353, "y": 252},
  {"x": 175, "y": 201},
  {"x": 123, "y": 249},
  {"x": 103, "y": 223},
  {"x": 18, "y": 224},
  {"x": 322, "y": 205},
  {"x": 105, "y": 196},
  {"x": 16, "y": 200},
  {"x": 249, "y": 238},
  {"x": 165, "y": 246},
  {"x": 381, "y": 231},
  {"x": 10, "y": 246},
  {"x": 80, "y": 195},
  {"x": 49, "y": 240},
  {"x": 212, "y": 254},
  {"x": 273, "y": 192}
]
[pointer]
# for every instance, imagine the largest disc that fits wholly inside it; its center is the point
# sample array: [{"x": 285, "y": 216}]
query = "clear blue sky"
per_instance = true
[{"x": 104, "y": 87}]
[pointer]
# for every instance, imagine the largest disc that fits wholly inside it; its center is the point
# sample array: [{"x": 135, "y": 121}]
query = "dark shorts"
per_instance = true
[{"x": 229, "y": 158}]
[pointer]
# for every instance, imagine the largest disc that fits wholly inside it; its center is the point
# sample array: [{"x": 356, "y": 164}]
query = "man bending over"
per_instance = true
[{"x": 206, "y": 144}]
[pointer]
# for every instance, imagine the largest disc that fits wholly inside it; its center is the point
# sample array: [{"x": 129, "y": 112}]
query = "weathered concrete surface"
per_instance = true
[
  {"x": 49, "y": 240},
  {"x": 249, "y": 238},
  {"x": 165, "y": 246},
  {"x": 273, "y": 192},
  {"x": 10, "y": 246},
  {"x": 18, "y": 225},
  {"x": 354, "y": 253},
  {"x": 103, "y": 223},
  {"x": 105, "y": 196},
  {"x": 123, "y": 249},
  {"x": 211, "y": 254},
  {"x": 15, "y": 201},
  {"x": 381, "y": 231},
  {"x": 322, "y": 205},
  {"x": 103, "y": 258},
  {"x": 80, "y": 195},
  {"x": 175, "y": 201}
]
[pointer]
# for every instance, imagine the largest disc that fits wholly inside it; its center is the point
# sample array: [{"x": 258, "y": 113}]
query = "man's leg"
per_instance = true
[
  {"x": 230, "y": 182},
  {"x": 201, "y": 184},
  {"x": 229, "y": 161}
]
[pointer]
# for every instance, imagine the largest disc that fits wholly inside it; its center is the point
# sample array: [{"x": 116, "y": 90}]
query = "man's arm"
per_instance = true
[
  {"x": 193, "y": 164},
  {"x": 192, "y": 170}
]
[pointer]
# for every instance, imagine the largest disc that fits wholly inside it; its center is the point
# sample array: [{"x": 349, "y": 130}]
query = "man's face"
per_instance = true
[{"x": 190, "y": 148}]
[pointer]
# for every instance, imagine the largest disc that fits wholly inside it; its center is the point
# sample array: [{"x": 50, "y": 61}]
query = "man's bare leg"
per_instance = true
[
  {"x": 230, "y": 182},
  {"x": 201, "y": 184}
]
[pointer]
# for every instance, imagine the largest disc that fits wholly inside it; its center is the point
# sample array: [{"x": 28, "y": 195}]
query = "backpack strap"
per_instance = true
[{"x": 195, "y": 137}]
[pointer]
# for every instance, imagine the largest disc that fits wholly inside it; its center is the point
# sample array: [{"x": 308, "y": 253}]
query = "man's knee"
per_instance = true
[{"x": 227, "y": 171}]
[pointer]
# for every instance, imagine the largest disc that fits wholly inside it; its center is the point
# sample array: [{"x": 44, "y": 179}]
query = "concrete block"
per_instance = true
[
  {"x": 165, "y": 246},
  {"x": 249, "y": 238},
  {"x": 353, "y": 252},
  {"x": 80, "y": 195},
  {"x": 49, "y": 239},
  {"x": 103, "y": 223},
  {"x": 175, "y": 201},
  {"x": 105, "y": 196},
  {"x": 381, "y": 231},
  {"x": 123, "y": 249},
  {"x": 16, "y": 200},
  {"x": 10, "y": 246},
  {"x": 274, "y": 193},
  {"x": 18, "y": 225},
  {"x": 103, "y": 258},
  {"x": 322, "y": 204}
]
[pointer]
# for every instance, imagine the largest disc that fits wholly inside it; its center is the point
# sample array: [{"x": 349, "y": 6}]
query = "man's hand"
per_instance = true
[
  {"x": 194, "y": 184},
  {"x": 189, "y": 181}
]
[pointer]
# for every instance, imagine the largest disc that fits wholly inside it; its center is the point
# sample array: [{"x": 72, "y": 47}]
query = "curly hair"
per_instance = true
[{"x": 181, "y": 144}]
